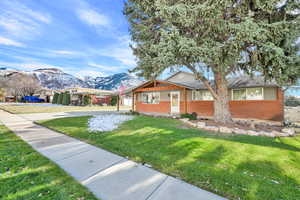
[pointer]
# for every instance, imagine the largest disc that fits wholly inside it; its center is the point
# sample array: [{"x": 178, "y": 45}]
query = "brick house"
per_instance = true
[
  {"x": 102, "y": 97},
  {"x": 250, "y": 97}
]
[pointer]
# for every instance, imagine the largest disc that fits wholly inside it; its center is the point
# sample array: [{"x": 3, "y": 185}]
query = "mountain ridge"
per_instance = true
[{"x": 54, "y": 78}]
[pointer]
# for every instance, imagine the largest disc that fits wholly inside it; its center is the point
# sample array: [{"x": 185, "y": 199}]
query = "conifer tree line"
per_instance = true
[{"x": 63, "y": 98}]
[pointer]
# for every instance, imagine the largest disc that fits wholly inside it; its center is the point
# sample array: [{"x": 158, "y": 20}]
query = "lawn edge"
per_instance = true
[{"x": 51, "y": 162}]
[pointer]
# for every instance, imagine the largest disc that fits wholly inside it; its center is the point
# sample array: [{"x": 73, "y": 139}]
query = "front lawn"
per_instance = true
[
  {"x": 234, "y": 166},
  {"x": 50, "y": 108},
  {"x": 25, "y": 174}
]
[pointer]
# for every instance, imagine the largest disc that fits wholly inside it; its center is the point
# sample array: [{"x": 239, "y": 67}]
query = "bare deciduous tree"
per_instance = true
[{"x": 22, "y": 85}]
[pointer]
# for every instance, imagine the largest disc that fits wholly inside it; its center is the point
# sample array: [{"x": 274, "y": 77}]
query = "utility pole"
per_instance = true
[{"x": 118, "y": 102}]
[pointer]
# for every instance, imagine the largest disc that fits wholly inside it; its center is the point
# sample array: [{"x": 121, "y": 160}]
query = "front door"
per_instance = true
[{"x": 175, "y": 102}]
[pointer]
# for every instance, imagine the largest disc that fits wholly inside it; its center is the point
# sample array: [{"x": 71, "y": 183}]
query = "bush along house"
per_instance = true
[{"x": 250, "y": 97}]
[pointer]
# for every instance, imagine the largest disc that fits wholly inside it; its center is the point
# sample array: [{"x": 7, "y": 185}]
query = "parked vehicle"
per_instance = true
[{"x": 32, "y": 99}]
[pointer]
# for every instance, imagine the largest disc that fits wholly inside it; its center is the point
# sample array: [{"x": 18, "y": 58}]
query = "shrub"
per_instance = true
[
  {"x": 189, "y": 116},
  {"x": 60, "y": 98},
  {"x": 292, "y": 101},
  {"x": 66, "y": 98},
  {"x": 55, "y": 98},
  {"x": 86, "y": 100},
  {"x": 114, "y": 100},
  {"x": 134, "y": 112}
]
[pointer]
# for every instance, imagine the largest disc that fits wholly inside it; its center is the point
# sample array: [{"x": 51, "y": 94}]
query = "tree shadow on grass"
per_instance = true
[
  {"x": 203, "y": 165},
  {"x": 199, "y": 157},
  {"x": 249, "y": 180},
  {"x": 166, "y": 126}
]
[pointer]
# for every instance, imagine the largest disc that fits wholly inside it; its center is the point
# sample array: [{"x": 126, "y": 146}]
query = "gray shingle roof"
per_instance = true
[
  {"x": 236, "y": 82},
  {"x": 239, "y": 82}
]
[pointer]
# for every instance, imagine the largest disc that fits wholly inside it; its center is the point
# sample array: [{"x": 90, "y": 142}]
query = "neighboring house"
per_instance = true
[
  {"x": 125, "y": 96},
  {"x": 102, "y": 97},
  {"x": 10, "y": 99},
  {"x": 181, "y": 93},
  {"x": 46, "y": 94}
]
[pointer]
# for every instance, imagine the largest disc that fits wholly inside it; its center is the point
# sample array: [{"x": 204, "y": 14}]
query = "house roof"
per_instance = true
[
  {"x": 236, "y": 82},
  {"x": 179, "y": 72},
  {"x": 89, "y": 91}
]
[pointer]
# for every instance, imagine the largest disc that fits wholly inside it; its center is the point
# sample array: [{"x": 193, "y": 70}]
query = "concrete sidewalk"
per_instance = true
[{"x": 108, "y": 176}]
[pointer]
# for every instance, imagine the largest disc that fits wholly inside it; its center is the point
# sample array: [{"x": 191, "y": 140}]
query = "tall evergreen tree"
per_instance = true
[
  {"x": 66, "y": 99},
  {"x": 55, "y": 98},
  {"x": 60, "y": 98},
  {"x": 222, "y": 37}
]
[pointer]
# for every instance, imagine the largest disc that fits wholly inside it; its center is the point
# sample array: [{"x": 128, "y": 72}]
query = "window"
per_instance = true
[
  {"x": 239, "y": 94},
  {"x": 201, "y": 95},
  {"x": 248, "y": 94},
  {"x": 151, "y": 97},
  {"x": 255, "y": 94}
]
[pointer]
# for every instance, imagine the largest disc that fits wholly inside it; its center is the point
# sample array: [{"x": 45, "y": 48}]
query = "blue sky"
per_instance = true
[{"x": 82, "y": 37}]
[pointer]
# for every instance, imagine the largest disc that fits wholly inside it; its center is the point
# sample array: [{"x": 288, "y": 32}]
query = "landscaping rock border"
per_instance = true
[{"x": 285, "y": 132}]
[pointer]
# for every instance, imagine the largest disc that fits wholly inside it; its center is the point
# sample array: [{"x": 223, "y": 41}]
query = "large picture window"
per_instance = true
[
  {"x": 255, "y": 94},
  {"x": 248, "y": 94},
  {"x": 151, "y": 97},
  {"x": 204, "y": 95},
  {"x": 239, "y": 94}
]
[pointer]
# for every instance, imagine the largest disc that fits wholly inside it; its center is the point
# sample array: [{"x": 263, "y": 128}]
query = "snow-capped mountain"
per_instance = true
[
  {"x": 115, "y": 81},
  {"x": 54, "y": 78}
]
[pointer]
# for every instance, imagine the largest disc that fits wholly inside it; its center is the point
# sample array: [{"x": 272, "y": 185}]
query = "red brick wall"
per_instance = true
[
  {"x": 162, "y": 107},
  {"x": 260, "y": 109},
  {"x": 202, "y": 108},
  {"x": 269, "y": 110}
]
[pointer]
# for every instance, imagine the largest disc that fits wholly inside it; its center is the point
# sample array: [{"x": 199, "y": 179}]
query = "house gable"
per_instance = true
[
  {"x": 157, "y": 86},
  {"x": 181, "y": 77}
]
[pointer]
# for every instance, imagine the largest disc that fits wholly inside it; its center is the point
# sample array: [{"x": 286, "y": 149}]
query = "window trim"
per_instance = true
[
  {"x": 262, "y": 89},
  {"x": 193, "y": 95},
  {"x": 148, "y": 98},
  {"x": 232, "y": 90}
]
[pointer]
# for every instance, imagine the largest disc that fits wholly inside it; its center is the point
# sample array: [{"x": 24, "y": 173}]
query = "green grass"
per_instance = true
[
  {"x": 27, "y": 175},
  {"x": 234, "y": 166},
  {"x": 25, "y": 109}
]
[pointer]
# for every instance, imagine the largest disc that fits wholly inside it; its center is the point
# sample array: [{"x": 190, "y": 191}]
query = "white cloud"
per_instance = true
[
  {"x": 93, "y": 18},
  {"x": 120, "y": 51},
  {"x": 20, "y": 21},
  {"x": 65, "y": 52},
  {"x": 28, "y": 66},
  {"x": 105, "y": 67},
  {"x": 9, "y": 42},
  {"x": 122, "y": 54}
]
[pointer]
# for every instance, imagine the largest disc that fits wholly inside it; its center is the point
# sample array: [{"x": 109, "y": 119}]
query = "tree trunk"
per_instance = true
[{"x": 221, "y": 103}]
